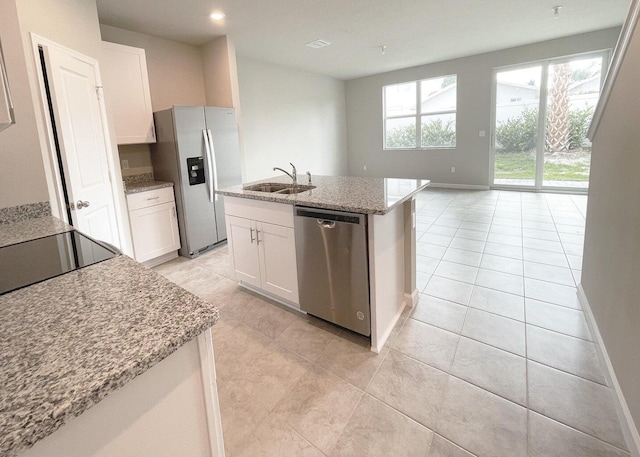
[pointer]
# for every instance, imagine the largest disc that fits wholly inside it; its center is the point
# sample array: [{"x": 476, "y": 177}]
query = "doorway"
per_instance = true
[{"x": 542, "y": 112}]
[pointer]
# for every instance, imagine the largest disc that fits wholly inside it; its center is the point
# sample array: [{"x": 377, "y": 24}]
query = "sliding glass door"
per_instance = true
[{"x": 542, "y": 113}]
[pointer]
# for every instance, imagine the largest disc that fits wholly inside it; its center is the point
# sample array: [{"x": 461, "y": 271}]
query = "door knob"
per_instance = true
[{"x": 82, "y": 204}]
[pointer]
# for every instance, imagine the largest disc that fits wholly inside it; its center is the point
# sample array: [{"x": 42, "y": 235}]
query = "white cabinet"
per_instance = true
[
  {"x": 126, "y": 84},
  {"x": 154, "y": 225},
  {"x": 262, "y": 247}
]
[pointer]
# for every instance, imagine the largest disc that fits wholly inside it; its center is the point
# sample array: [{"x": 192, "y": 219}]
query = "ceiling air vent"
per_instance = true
[{"x": 317, "y": 44}]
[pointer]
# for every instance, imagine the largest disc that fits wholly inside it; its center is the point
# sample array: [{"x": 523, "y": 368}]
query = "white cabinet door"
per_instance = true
[
  {"x": 155, "y": 231},
  {"x": 278, "y": 260},
  {"x": 126, "y": 85},
  {"x": 243, "y": 249}
]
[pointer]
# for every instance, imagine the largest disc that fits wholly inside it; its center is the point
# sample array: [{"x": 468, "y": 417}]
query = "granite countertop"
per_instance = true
[
  {"x": 30, "y": 229},
  {"x": 342, "y": 193},
  {"x": 67, "y": 342},
  {"x": 144, "y": 186}
]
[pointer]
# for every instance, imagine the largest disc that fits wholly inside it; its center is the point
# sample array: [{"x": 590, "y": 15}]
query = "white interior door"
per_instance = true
[{"x": 79, "y": 125}]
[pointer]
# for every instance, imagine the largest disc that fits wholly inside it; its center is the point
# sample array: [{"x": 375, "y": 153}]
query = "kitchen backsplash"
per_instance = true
[
  {"x": 24, "y": 212},
  {"x": 135, "y": 179}
]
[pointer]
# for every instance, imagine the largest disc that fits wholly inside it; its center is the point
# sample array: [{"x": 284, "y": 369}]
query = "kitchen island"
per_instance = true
[
  {"x": 389, "y": 206},
  {"x": 109, "y": 359}
]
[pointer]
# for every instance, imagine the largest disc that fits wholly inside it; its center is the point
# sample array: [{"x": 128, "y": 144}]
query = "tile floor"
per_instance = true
[{"x": 495, "y": 360}]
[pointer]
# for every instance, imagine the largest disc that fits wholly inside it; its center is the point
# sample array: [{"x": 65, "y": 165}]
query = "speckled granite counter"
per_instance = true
[
  {"x": 31, "y": 228},
  {"x": 67, "y": 342},
  {"x": 342, "y": 193},
  {"x": 144, "y": 186}
]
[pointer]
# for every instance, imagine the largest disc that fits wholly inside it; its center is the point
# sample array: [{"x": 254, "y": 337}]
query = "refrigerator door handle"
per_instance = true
[
  {"x": 207, "y": 147},
  {"x": 214, "y": 164}
]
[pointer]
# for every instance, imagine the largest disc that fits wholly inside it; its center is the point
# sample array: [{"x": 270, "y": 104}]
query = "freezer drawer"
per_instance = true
[{"x": 333, "y": 269}]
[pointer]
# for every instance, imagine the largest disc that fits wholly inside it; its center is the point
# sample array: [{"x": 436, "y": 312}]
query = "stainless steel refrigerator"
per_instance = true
[{"x": 198, "y": 149}]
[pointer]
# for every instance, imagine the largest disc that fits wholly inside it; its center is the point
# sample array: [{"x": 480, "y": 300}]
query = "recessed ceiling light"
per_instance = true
[
  {"x": 217, "y": 16},
  {"x": 318, "y": 44}
]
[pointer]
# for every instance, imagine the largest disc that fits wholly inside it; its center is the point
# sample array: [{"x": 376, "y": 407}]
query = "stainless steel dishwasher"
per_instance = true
[{"x": 333, "y": 268}]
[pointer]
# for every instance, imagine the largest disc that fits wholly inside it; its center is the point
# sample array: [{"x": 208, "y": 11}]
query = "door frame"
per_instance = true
[
  {"x": 49, "y": 153},
  {"x": 542, "y": 103}
]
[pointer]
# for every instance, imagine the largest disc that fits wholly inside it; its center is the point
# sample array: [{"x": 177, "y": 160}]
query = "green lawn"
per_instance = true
[{"x": 521, "y": 165}]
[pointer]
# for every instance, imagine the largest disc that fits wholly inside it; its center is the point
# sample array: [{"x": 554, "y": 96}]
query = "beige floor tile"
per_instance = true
[
  {"x": 441, "y": 447},
  {"x": 441, "y": 313},
  {"x": 472, "y": 234},
  {"x": 428, "y": 344},
  {"x": 470, "y": 258},
  {"x": 550, "y": 438},
  {"x": 236, "y": 347},
  {"x": 495, "y": 330},
  {"x": 456, "y": 271},
  {"x": 263, "y": 315},
  {"x": 545, "y": 257},
  {"x": 430, "y": 250},
  {"x": 574, "y": 401},
  {"x": 557, "y": 318},
  {"x": 467, "y": 245},
  {"x": 565, "y": 353},
  {"x": 319, "y": 406},
  {"x": 558, "y": 275},
  {"x": 495, "y": 370},
  {"x": 275, "y": 438},
  {"x": 543, "y": 245},
  {"x": 241, "y": 416},
  {"x": 411, "y": 387},
  {"x": 449, "y": 289},
  {"x": 483, "y": 423},
  {"x": 308, "y": 337},
  {"x": 503, "y": 264},
  {"x": 377, "y": 430},
  {"x": 426, "y": 264},
  {"x": 350, "y": 357},
  {"x": 504, "y": 282},
  {"x": 513, "y": 252},
  {"x": 271, "y": 375},
  {"x": 551, "y": 293},
  {"x": 393, "y": 336},
  {"x": 497, "y": 302}
]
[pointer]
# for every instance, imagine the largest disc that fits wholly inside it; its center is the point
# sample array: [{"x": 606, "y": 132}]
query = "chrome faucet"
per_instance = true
[{"x": 293, "y": 175}]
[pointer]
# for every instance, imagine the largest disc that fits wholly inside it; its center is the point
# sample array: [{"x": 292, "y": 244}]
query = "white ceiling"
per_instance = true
[{"x": 415, "y": 32}]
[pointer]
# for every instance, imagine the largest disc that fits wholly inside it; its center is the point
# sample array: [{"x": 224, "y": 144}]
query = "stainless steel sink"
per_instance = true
[
  {"x": 279, "y": 188},
  {"x": 267, "y": 187}
]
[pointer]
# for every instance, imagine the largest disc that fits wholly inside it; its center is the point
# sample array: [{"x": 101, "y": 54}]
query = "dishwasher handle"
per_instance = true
[{"x": 326, "y": 224}]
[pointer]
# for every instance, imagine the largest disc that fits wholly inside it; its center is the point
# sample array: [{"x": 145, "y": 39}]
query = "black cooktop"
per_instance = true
[{"x": 33, "y": 261}]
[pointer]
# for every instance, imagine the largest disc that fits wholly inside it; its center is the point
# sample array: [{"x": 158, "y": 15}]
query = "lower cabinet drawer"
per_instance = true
[
  {"x": 150, "y": 197},
  {"x": 155, "y": 231}
]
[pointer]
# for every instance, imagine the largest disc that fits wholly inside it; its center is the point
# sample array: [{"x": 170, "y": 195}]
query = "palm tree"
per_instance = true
[{"x": 557, "y": 135}]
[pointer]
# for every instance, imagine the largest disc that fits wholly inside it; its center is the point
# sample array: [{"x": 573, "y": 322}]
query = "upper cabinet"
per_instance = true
[{"x": 126, "y": 83}]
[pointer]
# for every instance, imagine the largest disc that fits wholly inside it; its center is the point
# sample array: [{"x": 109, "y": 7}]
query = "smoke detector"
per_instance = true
[{"x": 317, "y": 44}]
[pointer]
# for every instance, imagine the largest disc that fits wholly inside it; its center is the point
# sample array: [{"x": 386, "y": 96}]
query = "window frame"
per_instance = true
[{"x": 417, "y": 116}]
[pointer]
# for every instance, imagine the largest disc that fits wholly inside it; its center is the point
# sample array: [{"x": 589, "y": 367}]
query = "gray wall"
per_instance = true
[
  {"x": 471, "y": 157},
  {"x": 611, "y": 262},
  {"x": 290, "y": 115}
]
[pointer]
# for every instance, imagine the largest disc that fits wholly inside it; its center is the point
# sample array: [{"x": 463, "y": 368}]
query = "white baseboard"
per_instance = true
[
  {"x": 160, "y": 260},
  {"x": 411, "y": 300},
  {"x": 629, "y": 429},
  {"x": 443, "y": 185}
]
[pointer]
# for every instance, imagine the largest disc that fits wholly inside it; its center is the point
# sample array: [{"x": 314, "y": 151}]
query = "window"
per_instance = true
[{"x": 420, "y": 114}]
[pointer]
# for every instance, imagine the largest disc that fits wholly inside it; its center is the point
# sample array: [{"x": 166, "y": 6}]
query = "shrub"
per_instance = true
[
  {"x": 518, "y": 134},
  {"x": 402, "y": 137},
  {"x": 436, "y": 133},
  {"x": 579, "y": 121}
]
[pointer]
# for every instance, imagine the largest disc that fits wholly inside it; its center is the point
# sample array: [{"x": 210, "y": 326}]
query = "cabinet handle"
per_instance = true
[
  {"x": 153, "y": 198},
  {"x": 257, "y": 236},
  {"x": 251, "y": 231}
]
